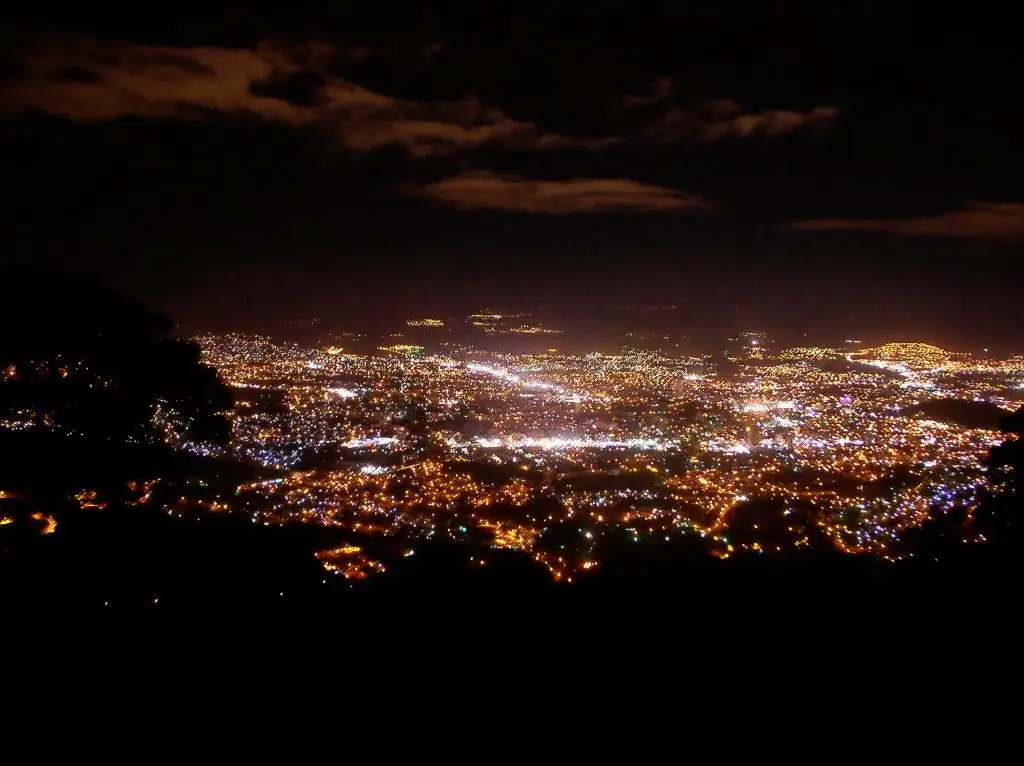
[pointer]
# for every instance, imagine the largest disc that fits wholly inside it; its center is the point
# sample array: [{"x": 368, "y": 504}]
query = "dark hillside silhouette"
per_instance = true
[
  {"x": 93, "y": 386},
  {"x": 966, "y": 414},
  {"x": 1003, "y": 516},
  {"x": 96, "y": 398}
]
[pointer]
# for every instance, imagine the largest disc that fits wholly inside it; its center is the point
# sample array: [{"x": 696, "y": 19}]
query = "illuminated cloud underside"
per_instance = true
[
  {"x": 93, "y": 80},
  {"x": 89, "y": 80},
  {"x": 481, "y": 190},
  {"x": 980, "y": 220}
]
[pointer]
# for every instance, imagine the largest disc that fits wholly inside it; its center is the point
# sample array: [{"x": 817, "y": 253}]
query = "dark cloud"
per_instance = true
[
  {"x": 302, "y": 89},
  {"x": 727, "y": 119},
  {"x": 91, "y": 79},
  {"x": 183, "y": 62},
  {"x": 290, "y": 83},
  {"x": 11, "y": 70},
  {"x": 981, "y": 220},
  {"x": 660, "y": 90},
  {"x": 130, "y": 80},
  {"x": 78, "y": 74}
]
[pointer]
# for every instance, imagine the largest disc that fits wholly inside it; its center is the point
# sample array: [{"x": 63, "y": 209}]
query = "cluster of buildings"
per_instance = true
[{"x": 780, "y": 449}]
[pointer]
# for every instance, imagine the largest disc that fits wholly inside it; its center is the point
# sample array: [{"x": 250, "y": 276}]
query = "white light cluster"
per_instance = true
[
  {"x": 562, "y": 443},
  {"x": 344, "y": 393},
  {"x": 511, "y": 377},
  {"x": 372, "y": 441}
]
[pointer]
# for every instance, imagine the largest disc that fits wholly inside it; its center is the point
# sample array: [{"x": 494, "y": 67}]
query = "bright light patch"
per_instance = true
[
  {"x": 561, "y": 443},
  {"x": 344, "y": 393},
  {"x": 372, "y": 441}
]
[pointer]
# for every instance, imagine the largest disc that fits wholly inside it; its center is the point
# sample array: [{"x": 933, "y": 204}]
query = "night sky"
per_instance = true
[{"x": 794, "y": 170}]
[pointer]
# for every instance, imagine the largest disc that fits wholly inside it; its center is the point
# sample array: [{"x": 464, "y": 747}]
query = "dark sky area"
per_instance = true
[{"x": 799, "y": 167}]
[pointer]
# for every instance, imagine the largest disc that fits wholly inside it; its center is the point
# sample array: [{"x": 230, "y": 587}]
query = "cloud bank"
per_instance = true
[
  {"x": 722, "y": 119},
  {"x": 490, "y": 191},
  {"x": 91, "y": 80},
  {"x": 95, "y": 80},
  {"x": 980, "y": 220}
]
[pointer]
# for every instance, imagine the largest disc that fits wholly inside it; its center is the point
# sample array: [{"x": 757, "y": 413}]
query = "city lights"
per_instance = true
[{"x": 652, "y": 445}]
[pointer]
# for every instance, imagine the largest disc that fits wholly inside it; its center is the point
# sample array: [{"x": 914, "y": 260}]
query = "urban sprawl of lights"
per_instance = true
[{"x": 809, "y": 446}]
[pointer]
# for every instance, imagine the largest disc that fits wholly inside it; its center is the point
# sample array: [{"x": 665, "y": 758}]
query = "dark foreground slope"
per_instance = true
[{"x": 137, "y": 561}]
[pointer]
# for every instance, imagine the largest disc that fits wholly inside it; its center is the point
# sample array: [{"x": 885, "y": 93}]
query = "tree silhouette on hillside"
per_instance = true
[
  {"x": 1001, "y": 515},
  {"x": 997, "y": 520},
  {"x": 1007, "y": 459},
  {"x": 93, "y": 385},
  {"x": 98, "y": 397}
]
